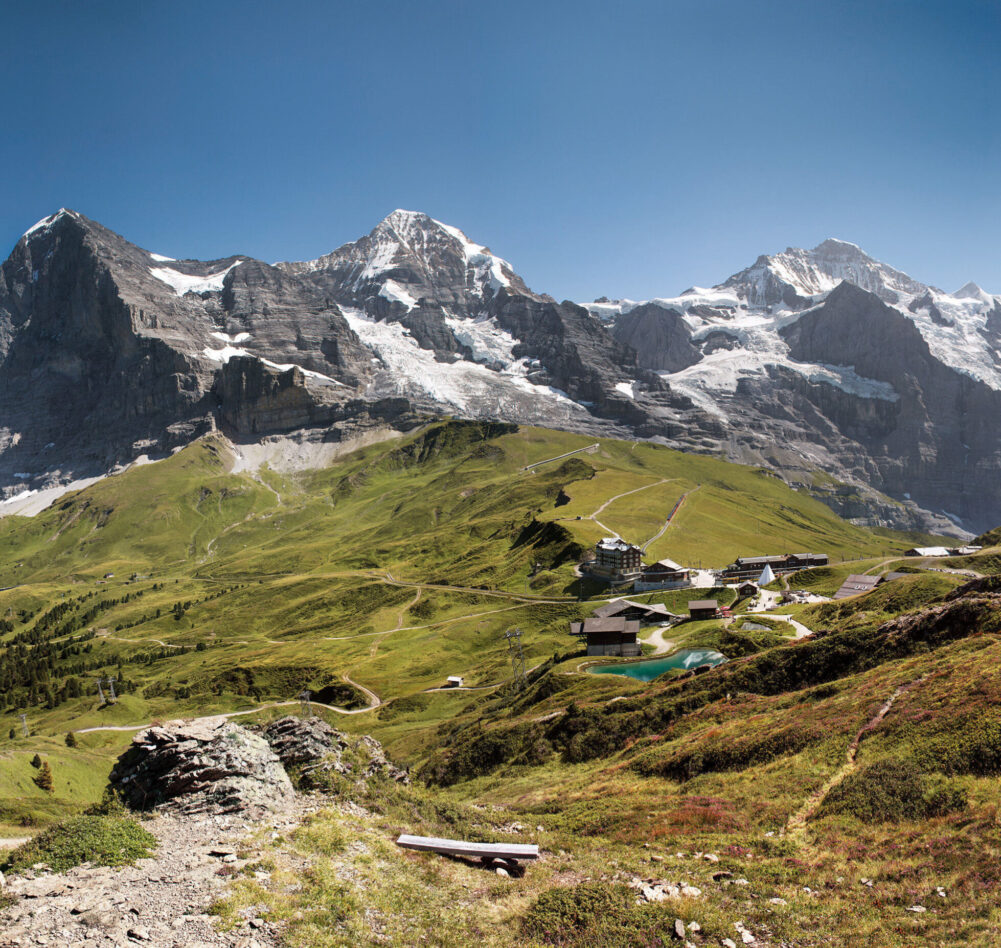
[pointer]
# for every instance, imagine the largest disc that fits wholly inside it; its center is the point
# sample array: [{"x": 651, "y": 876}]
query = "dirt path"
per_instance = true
[
  {"x": 160, "y": 901},
  {"x": 374, "y": 702},
  {"x": 12, "y": 842},
  {"x": 657, "y": 640},
  {"x": 591, "y": 448},
  {"x": 797, "y": 822}
]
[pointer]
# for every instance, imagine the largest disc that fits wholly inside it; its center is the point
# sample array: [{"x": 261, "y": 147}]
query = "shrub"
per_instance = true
[
  {"x": 36, "y": 761},
  {"x": 596, "y": 915},
  {"x": 44, "y": 777},
  {"x": 101, "y": 840},
  {"x": 70, "y": 739},
  {"x": 892, "y": 790},
  {"x": 560, "y": 916}
]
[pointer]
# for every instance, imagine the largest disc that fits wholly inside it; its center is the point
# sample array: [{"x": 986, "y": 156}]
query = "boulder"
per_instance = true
[
  {"x": 311, "y": 747},
  {"x": 207, "y": 766}
]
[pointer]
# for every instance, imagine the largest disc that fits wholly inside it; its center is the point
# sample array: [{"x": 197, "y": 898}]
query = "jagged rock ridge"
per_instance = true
[{"x": 109, "y": 352}]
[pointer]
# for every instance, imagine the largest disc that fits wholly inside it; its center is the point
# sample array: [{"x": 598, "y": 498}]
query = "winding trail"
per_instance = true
[
  {"x": 797, "y": 822},
  {"x": 374, "y": 699},
  {"x": 657, "y": 640}
]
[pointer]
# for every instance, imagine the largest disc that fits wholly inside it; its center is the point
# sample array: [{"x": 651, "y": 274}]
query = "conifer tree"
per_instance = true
[{"x": 44, "y": 778}]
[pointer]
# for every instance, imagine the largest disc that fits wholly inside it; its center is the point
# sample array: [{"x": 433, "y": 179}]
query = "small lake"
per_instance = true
[{"x": 655, "y": 667}]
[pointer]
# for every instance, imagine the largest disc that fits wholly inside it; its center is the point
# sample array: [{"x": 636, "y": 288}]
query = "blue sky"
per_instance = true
[{"x": 626, "y": 149}]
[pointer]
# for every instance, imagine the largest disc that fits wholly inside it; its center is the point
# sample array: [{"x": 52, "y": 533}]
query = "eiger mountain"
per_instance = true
[{"x": 810, "y": 362}]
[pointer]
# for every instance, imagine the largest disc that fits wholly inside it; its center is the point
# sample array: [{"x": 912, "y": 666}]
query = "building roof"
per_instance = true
[
  {"x": 622, "y": 605},
  {"x": 589, "y": 626},
  {"x": 703, "y": 604},
  {"x": 928, "y": 551},
  {"x": 666, "y": 564},
  {"x": 760, "y": 560},
  {"x": 857, "y": 584},
  {"x": 616, "y": 544},
  {"x": 605, "y": 628}
]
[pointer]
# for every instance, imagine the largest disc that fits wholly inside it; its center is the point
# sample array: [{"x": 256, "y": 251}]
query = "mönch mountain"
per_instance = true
[{"x": 879, "y": 394}]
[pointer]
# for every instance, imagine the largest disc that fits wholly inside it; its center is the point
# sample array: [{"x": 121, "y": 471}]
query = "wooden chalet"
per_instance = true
[
  {"x": 747, "y": 589},
  {"x": 627, "y": 609},
  {"x": 664, "y": 574},
  {"x": 610, "y": 636},
  {"x": 703, "y": 608},
  {"x": 751, "y": 567}
]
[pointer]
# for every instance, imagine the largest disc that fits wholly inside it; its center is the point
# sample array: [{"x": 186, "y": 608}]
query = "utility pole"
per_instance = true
[
  {"x": 517, "y": 656},
  {"x": 111, "y": 686},
  {"x": 100, "y": 692},
  {"x": 24, "y": 724},
  {"x": 305, "y": 708}
]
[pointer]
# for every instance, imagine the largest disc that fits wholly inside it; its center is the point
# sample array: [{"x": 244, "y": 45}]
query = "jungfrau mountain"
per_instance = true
[{"x": 879, "y": 394}]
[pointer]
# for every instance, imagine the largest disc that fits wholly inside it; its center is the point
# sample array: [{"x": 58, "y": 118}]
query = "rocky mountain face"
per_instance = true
[{"x": 807, "y": 361}]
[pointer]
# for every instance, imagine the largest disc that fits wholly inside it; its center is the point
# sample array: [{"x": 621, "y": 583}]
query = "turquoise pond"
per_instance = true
[{"x": 655, "y": 667}]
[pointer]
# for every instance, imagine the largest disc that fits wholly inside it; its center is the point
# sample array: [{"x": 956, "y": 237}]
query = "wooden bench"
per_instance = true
[{"x": 458, "y": 847}]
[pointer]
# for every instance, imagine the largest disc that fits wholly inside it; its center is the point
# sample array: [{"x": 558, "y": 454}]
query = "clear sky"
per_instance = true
[{"x": 614, "y": 147}]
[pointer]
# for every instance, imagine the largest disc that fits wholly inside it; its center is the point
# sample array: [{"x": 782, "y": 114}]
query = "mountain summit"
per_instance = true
[{"x": 806, "y": 361}]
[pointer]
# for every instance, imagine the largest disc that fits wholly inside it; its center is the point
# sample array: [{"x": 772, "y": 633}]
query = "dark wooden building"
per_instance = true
[
  {"x": 703, "y": 608},
  {"x": 751, "y": 567},
  {"x": 609, "y": 636},
  {"x": 664, "y": 574},
  {"x": 627, "y": 609}
]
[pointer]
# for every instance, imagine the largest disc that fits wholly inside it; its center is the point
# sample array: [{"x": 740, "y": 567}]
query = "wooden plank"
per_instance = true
[{"x": 459, "y": 847}]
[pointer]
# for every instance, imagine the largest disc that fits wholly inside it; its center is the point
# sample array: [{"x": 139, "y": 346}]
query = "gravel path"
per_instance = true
[{"x": 160, "y": 902}]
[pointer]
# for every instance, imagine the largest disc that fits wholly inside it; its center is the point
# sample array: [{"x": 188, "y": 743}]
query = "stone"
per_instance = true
[
  {"x": 691, "y": 891},
  {"x": 729, "y": 943},
  {"x": 722, "y": 874},
  {"x": 314, "y": 746},
  {"x": 501, "y": 871},
  {"x": 139, "y": 934},
  {"x": 917, "y": 909},
  {"x": 778, "y": 901},
  {"x": 694, "y": 927},
  {"x": 679, "y": 929},
  {"x": 205, "y": 766}
]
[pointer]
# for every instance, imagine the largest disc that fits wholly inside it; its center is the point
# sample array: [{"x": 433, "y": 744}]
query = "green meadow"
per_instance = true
[{"x": 371, "y": 581}]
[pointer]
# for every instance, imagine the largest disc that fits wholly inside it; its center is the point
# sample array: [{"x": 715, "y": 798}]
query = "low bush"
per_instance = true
[
  {"x": 95, "y": 838},
  {"x": 892, "y": 790},
  {"x": 595, "y": 915}
]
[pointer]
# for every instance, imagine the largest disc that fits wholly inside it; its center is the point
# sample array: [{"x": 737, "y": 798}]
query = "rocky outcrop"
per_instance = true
[
  {"x": 808, "y": 360},
  {"x": 209, "y": 765},
  {"x": 660, "y": 338},
  {"x": 310, "y": 748}
]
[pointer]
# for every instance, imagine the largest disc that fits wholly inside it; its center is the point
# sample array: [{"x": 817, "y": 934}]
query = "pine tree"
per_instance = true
[
  {"x": 36, "y": 761},
  {"x": 70, "y": 739},
  {"x": 44, "y": 778}
]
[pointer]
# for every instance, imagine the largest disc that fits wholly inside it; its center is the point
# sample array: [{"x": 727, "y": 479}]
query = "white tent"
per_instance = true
[{"x": 767, "y": 576}]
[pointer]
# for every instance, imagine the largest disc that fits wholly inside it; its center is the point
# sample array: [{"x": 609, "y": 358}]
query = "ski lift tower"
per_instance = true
[{"x": 517, "y": 656}]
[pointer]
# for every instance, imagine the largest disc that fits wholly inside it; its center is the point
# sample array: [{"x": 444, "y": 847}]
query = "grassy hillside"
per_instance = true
[
  {"x": 372, "y": 580},
  {"x": 229, "y": 589}
]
